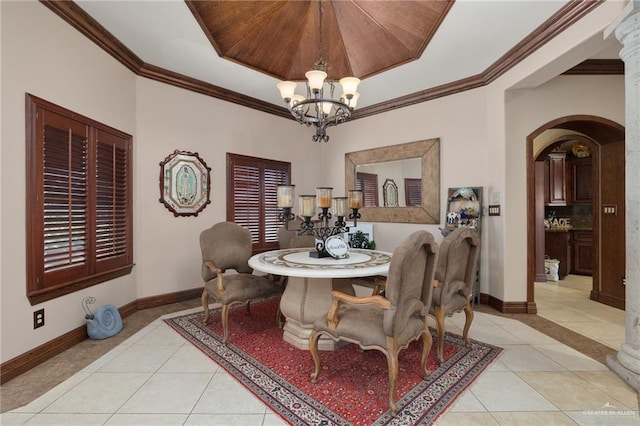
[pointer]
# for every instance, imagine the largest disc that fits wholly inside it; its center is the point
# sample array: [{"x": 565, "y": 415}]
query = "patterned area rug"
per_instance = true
[{"x": 352, "y": 388}]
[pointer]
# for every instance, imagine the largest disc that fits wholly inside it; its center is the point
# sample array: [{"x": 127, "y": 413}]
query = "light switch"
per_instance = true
[
  {"x": 610, "y": 209},
  {"x": 494, "y": 210}
]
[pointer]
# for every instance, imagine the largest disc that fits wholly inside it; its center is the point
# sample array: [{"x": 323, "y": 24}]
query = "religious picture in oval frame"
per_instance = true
[
  {"x": 390, "y": 193},
  {"x": 184, "y": 183}
]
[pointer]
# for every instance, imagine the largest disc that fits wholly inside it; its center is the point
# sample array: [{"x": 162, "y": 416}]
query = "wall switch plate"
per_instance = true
[
  {"x": 494, "y": 210},
  {"x": 38, "y": 318},
  {"x": 610, "y": 209}
]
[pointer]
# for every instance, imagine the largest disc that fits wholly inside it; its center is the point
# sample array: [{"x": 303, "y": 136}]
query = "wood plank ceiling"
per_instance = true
[{"x": 284, "y": 39}]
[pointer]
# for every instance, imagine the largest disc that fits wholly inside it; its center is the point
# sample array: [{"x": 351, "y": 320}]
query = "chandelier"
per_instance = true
[
  {"x": 341, "y": 207},
  {"x": 319, "y": 107}
]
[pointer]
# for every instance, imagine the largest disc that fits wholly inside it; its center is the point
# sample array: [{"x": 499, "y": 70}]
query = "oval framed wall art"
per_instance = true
[{"x": 185, "y": 182}]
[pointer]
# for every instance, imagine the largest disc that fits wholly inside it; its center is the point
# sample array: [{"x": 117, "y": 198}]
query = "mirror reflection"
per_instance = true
[
  {"x": 391, "y": 183},
  {"x": 401, "y": 182}
]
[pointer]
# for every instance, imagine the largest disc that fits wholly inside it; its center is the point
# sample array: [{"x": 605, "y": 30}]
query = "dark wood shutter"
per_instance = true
[
  {"x": 413, "y": 192},
  {"x": 112, "y": 227},
  {"x": 79, "y": 209},
  {"x": 65, "y": 199},
  {"x": 251, "y": 196},
  {"x": 368, "y": 184}
]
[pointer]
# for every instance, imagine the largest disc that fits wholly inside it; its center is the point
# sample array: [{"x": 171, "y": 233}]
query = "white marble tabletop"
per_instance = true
[{"x": 296, "y": 262}]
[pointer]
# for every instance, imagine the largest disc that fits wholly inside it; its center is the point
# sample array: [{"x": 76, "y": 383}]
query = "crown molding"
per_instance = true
[
  {"x": 598, "y": 67},
  {"x": 573, "y": 11}
]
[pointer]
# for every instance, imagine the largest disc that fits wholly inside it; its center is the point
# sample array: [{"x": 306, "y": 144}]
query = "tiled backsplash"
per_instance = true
[{"x": 581, "y": 216}]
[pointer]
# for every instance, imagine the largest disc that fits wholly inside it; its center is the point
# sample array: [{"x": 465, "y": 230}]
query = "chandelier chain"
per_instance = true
[
  {"x": 320, "y": 38},
  {"x": 319, "y": 108}
]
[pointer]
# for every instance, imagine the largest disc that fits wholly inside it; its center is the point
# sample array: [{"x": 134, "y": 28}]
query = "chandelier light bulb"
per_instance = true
[
  {"x": 349, "y": 86},
  {"x": 287, "y": 89},
  {"x": 353, "y": 101},
  {"x": 326, "y": 108},
  {"x": 316, "y": 79},
  {"x": 296, "y": 99}
]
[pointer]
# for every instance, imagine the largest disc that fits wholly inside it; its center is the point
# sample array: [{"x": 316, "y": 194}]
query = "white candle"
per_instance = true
[
  {"x": 284, "y": 200},
  {"x": 307, "y": 205}
]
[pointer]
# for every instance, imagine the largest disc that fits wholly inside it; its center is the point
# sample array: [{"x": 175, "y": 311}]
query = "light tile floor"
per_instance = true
[
  {"x": 567, "y": 303},
  {"x": 157, "y": 378}
]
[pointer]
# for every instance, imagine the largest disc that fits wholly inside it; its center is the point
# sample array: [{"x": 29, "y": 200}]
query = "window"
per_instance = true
[
  {"x": 368, "y": 184},
  {"x": 251, "y": 196},
  {"x": 79, "y": 210},
  {"x": 413, "y": 192}
]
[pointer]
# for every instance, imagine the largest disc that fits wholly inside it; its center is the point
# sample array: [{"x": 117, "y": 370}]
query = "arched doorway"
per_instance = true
[{"x": 608, "y": 206}]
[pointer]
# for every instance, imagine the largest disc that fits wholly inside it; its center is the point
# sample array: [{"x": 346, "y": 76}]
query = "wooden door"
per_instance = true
[{"x": 611, "y": 211}]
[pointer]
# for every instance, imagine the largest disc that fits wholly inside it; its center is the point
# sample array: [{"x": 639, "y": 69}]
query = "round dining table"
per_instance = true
[{"x": 307, "y": 296}]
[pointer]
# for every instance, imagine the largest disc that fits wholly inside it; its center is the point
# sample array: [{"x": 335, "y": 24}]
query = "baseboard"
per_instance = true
[
  {"x": 36, "y": 356},
  {"x": 168, "y": 298},
  {"x": 510, "y": 307},
  {"x": 615, "y": 302}
]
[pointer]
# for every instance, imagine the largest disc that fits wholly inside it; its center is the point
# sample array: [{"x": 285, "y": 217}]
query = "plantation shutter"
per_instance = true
[
  {"x": 65, "y": 200},
  {"x": 273, "y": 177},
  {"x": 413, "y": 192},
  {"x": 368, "y": 184},
  {"x": 246, "y": 198},
  {"x": 79, "y": 212},
  {"x": 112, "y": 224},
  {"x": 252, "y": 198}
]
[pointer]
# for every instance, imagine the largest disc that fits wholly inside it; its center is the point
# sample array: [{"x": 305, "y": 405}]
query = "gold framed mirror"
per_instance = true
[{"x": 428, "y": 151}]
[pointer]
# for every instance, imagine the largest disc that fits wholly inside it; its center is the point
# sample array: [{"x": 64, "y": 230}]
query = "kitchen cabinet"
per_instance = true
[
  {"x": 582, "y": 252},
  {"x": 580, "y": 181},
  {"x": 557, "y": 246},
  {"x": 556, "y": 179}
]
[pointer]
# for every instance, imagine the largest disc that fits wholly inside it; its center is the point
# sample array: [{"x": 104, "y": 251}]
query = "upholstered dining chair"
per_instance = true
[
  {"x": 289, "y": 238},
  {"x": 227, "y": 245},
  {"x": 390, "y": 323},
  {"x": 455, "y": 276}
]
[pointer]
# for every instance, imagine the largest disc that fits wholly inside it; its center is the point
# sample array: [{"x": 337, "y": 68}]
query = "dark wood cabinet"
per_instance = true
[
  {"x": 582, "y": 252},
  {"x": 557, "y": 246},
  {"x": 556, "y": 179},
  {"x": 580, "y": 181}
]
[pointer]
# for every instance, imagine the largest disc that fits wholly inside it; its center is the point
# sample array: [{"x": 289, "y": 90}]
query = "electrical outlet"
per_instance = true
[{"x": 38, "y": 318}]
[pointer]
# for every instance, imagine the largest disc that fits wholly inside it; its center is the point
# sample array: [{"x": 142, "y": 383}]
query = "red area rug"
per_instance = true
[{"x": 352, "y": 388}]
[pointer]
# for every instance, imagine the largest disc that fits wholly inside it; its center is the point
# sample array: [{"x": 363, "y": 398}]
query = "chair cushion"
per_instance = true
[
  {"x": 363, "y": 324},
  {"x": 242, "y": 287}
]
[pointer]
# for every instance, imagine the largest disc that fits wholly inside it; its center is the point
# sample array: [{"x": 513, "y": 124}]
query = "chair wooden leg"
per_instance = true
[
  {"x": 468, "y": 312},
  {"x": 313, "y": 348},
  {"x": 427, "y": 342},
  {"x": 392, "y": 361},
  {"x": 439, "y": 314},
  {"x": 205, "y": 305},
  {"x": 225, "y": 323}
]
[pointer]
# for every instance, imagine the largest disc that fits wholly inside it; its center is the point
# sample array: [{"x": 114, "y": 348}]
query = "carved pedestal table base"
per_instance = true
[{"x": 307, "y": 296}]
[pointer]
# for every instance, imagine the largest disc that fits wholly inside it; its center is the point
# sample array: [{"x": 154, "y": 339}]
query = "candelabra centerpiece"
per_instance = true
[{"x": 323, "y": 231}]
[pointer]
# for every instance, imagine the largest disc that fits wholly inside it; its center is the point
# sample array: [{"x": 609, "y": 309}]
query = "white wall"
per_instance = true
[
  {"x": 527, "y": 110},
  {"x": 167, "y": 250},
  {"x": 43, "y": 55}
]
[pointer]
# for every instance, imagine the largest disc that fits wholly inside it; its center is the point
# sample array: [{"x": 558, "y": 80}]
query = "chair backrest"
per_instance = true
[
  {"x": 458, "y": 260},
  {"x": 409, "y": 283},
  {"x": 289, "y": 238},
  {"x": 228, "y": 246}
]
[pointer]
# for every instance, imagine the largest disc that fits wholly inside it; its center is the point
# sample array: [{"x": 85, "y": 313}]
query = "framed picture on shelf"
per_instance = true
[{"x": 356, "y": 240}]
